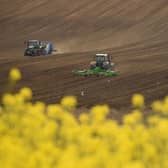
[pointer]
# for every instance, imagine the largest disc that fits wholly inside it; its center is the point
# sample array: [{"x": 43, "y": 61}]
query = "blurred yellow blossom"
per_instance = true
[
  {"x": 100, "y": 112},
  {"x": 69, "y": 102},
  {"x": 15, "y": 74},
  {"x": 26, "y": 93},
  {"x": 84, "y": 118},
  {"x": 157, "y": 106},
  {"x": 138, "y": 101},
  {"x": 8, "y": 100},
  {"x": 54, "y": 111}
]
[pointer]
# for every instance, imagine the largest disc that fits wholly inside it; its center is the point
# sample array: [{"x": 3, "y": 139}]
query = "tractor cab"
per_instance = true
[
  {"x": 100, "y": 58},
  {"x": 102, "y": 61},
  {"x": 33, "y": 44},
  {"x": 43, "y": 44}
]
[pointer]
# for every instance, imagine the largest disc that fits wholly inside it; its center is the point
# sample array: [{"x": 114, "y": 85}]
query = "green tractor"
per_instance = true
[{"x": 101, "y": 65}]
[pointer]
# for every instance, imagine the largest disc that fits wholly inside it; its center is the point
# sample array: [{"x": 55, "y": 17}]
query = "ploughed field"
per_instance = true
[{"x": 135, "y": 33}]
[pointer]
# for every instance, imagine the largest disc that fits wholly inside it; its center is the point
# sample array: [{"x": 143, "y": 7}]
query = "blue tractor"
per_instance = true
[{"x": 38, "y": 48}]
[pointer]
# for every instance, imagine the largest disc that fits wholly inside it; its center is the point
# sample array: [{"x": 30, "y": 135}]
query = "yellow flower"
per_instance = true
[
  {"x": 137, "y": 115},
  {"x": 129, "y": 119},
  {"x": 54, "y": 111},
  {"x": 133, "y": 118},
  {"x": 8, "y": 100},
  {"x": 134, "y": 164},
  {"x": 166, "y": 100},
  {"x": 165, "y": 106},
  {"x": 157, "y": 106},
  {"x": 26, "y": 93},
  {"x": 138, "y": 101},
  {"x": 84, "y": 118},
  {"x": 153, "y": 120},
  {"x": 69, "y": 102},
  {"x": 49, "y": 130},
  {"x": 100, "y": 112},
  {"x": 150, "y": 150},
  {"x": 15, "y": 74},
  {"x": 19, "y": 99}
]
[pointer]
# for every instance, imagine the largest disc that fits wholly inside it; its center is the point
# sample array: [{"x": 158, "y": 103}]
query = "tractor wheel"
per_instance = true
[
  {"x": 106, "y": 67},
  {"x": 43, "y": 52},
  {"x": 112, "y": 66},
  {"x": 92, "y": 66},
  {"x": 34, "y": 53}
]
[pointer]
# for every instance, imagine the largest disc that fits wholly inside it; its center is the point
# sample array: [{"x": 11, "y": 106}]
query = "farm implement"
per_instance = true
[{"x": 101, "y": 66}]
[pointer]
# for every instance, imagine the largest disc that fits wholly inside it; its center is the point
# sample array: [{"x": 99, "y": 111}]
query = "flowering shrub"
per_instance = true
[{"x": 36, "y": 135}]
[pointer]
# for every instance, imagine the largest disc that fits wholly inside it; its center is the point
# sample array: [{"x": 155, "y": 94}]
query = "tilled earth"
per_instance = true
[{"x": 135, "y": 33}]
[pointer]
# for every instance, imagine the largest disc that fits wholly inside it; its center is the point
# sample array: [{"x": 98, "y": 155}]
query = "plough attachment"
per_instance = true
[{"x": 97, "y": 72}]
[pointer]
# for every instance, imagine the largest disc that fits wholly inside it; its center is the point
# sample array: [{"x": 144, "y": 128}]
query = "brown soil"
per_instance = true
[{"x": 135, "y": 33}]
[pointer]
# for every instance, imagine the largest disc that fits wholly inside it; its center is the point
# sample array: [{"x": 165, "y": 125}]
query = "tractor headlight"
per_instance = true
[{"x": 92, "y": 63}]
